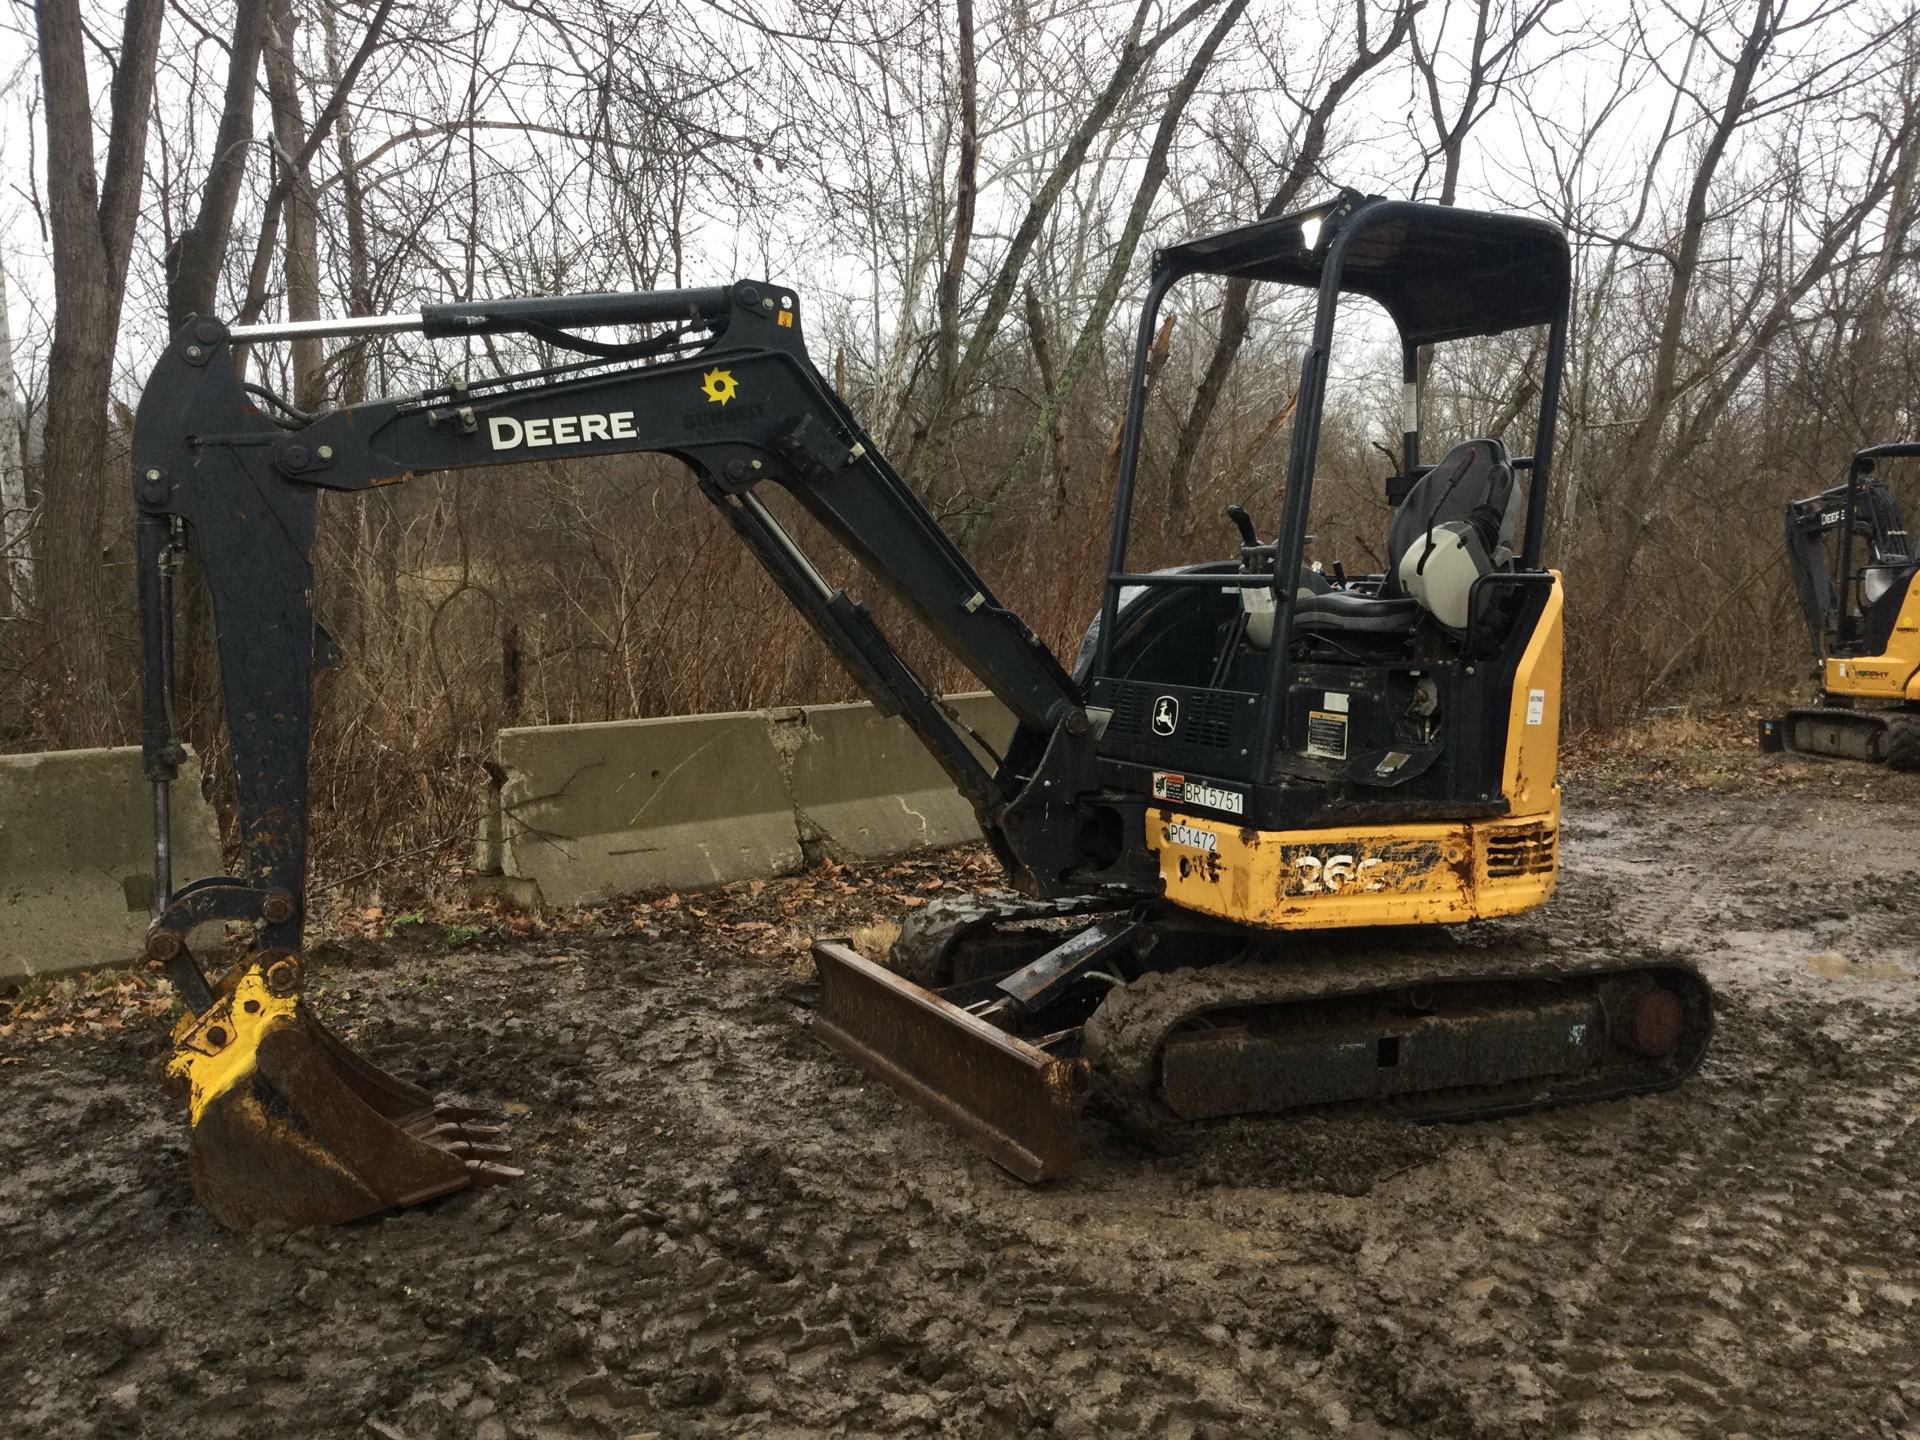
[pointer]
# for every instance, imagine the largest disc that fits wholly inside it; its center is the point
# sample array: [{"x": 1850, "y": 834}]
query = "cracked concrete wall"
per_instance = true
[
  {"x": 76, "y": 857},
  {"x": 589, "y": 812},
  {"x": 865, "y": 788}
]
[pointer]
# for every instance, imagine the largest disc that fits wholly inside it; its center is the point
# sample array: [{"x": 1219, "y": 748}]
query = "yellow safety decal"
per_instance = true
[
  {"x": 784, "y": 319},
  {"x": 719, "y": 386}
]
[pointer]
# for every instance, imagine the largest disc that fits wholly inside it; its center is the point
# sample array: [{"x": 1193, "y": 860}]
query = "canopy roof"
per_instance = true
[{"x": 1440, "y": 272}]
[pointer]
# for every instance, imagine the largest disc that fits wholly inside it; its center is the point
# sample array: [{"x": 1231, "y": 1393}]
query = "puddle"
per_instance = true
[{"x": 1832, "y": 965}]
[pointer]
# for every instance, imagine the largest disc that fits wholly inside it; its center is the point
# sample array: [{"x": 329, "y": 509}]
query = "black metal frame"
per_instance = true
[{"x": 1314, "y": 247}]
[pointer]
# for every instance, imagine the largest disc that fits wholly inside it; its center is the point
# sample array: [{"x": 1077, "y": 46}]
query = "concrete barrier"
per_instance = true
[
  {"x": 591, "y": 811},
  {"x": 76, "y": 861},
  {"x": 588, "y": 812},
  {"x": 866, "y": 788}
]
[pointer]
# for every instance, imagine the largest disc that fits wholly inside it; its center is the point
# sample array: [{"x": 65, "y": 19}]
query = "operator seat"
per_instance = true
[
  {"x": 1455, "y": 525},
  {"x": 1885, "y": 589}
]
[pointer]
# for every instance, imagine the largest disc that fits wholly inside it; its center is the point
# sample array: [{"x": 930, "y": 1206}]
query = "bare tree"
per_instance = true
[
  {"x": 1136, "y": 51},
  {"x": 91, "y": 214},
  {"x": 197, "y": 255},
  {"x": 294, "y": 164},
  {"x": 300, "y": 262},
  {"x": 1491, "y": 59},
  {"x": 1120, "y": 259},
  {"x": 1303, "y": 167},
  {"x": 966, "y": 191},
  {"x": 16, "y": 516},
  {"x": 1664, "y": 436}
]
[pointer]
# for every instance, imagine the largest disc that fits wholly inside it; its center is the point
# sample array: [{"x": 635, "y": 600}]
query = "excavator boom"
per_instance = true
[{"x": 288, "y": 1124}]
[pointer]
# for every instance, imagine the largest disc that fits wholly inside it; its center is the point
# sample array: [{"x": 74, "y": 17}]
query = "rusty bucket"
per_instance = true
[{"x": 290, "y": 1125}]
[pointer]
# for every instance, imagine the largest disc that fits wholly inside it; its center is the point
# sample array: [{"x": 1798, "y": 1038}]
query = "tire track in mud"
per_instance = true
[
  {"x": 1782, "y": 1247},
  {"x": 1778, "y": 1246},
  {"x": 726, "y": 1231}
]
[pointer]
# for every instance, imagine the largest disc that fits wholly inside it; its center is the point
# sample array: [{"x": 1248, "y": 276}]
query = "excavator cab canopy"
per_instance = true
[{"x": 1440, "y": 272}]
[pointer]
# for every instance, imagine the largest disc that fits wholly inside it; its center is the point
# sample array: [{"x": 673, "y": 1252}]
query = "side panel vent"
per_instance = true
[
  {"x": 1516, "y": 850},
  {"x": 1209, "y": 721}
]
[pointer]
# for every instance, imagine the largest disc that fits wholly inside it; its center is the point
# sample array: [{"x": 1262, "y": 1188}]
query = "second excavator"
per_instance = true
[
  {"x": 1243, "y": 824},
  {"x": 1858, "y": 582}
]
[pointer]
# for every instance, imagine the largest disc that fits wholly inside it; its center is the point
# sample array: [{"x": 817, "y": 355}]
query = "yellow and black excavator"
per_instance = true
[
  {"x": 1236, "y": 823},
  {"x": 1858, "y": 582}
]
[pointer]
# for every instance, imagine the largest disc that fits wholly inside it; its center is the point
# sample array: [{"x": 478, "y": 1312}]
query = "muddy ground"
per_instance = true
[{"x": 725, "y": 1231}]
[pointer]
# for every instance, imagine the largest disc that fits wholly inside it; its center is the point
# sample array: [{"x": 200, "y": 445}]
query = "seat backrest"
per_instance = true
[{"x": 1472, "y": 483}]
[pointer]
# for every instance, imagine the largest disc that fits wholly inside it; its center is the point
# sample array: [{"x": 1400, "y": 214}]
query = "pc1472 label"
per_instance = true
[{"x": 1193, "y": 838}]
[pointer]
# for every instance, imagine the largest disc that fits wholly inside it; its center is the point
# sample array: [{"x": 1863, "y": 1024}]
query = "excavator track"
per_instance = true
[
  {"x": 1889, "y": 737},
  {"x": 1468, "y": 1035},
  {"x": 963, "y": 937}
]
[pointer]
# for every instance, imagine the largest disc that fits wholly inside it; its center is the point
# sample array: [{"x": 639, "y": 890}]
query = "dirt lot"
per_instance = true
[{"x": 725, "y": 1231}]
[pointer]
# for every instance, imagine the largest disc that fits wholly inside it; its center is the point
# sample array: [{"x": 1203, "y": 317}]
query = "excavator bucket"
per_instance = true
[
  {"x": 1015, "y": 1103},
  {"x": 290, "y": 1125}
]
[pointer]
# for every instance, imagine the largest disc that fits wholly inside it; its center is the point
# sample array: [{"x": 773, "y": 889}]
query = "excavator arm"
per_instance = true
[{"x": 731, "y": 393}]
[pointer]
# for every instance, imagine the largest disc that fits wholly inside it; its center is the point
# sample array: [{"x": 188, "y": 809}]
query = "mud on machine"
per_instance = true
[{"x": 1240, "y": 824}]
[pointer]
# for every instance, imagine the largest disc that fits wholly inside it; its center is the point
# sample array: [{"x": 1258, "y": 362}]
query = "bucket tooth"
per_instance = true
[
  {"x": 290, "y": 1125},
  {"x": 1016, "y": 1104}
]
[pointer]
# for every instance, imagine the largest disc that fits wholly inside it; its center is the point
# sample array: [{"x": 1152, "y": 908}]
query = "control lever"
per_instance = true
[
  {"x": 1243, "y": 522},
  {"x": 1255, "y": 558}
]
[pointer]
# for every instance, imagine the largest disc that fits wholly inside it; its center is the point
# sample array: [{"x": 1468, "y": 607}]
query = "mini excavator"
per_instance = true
[
  {"x": 1241, "y": 831},
  {"x": 1858, "y": 582}
]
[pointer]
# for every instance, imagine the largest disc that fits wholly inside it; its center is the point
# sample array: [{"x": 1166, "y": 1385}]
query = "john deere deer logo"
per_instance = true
[{"x": 1166, "y": 715}]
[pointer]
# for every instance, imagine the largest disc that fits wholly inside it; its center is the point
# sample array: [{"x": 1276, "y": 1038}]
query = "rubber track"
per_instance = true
[
  {"x": 929, "y": 935},
  {"x": 1124, "y": 1036}
]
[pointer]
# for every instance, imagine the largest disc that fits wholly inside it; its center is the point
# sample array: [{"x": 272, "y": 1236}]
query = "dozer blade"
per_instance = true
[
  {"x": 290, "y": 1125},
  {"x": 1016, "y": 1104}
]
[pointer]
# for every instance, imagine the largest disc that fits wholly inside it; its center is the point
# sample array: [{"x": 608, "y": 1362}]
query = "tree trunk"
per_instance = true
[
  {"x": 966, "y": 183},
  {"x": 16, "y": 518},
  {"x": 353, "y": 204},
  {"x": 91, "y": 228},
  {"x": 1057, "y": 428},
  {"x": 300, "y": 260},
  {"x": 195, "y": 259},
  {"x": 1234, "y": 314}
]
